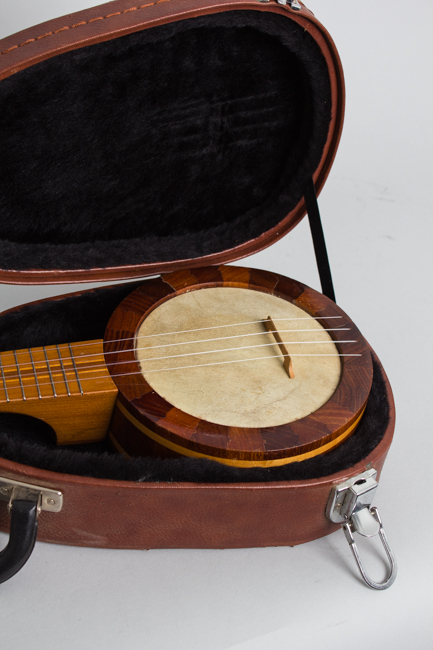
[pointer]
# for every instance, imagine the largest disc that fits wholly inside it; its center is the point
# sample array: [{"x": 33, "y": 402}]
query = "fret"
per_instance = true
[
  {"x": 49, "y": 372},
  {"x": 63, "y": 371},
  {"x": 19, "y": 376},
  {"x": 75, "y": 369},
  {"x": 34, "y": 372},
  {"x": 4, "y": 381}
]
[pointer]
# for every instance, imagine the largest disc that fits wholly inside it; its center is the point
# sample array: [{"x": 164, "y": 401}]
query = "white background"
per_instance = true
[{"x": 377, "y": 213}]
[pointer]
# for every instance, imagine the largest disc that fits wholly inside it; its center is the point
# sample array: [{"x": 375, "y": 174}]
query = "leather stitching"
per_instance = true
[{"x": 84, "y": 22}]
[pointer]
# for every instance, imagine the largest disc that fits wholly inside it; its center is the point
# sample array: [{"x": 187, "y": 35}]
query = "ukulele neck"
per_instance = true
[{"x": 68, "y": 386}]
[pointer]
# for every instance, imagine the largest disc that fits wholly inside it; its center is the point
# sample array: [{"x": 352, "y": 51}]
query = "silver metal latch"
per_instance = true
[
  {"x": 47, "y": 499},
  {"x": 350, "y": 504}
]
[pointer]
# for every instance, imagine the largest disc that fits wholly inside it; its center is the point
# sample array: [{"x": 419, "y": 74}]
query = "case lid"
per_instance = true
[{"x": 141, "y": 139}]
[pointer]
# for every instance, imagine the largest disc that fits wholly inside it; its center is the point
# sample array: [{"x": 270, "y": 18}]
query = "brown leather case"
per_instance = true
[{"x": 122, "y": 514}]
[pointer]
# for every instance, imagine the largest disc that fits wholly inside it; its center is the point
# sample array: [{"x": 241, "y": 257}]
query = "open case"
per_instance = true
[{"x": 167, "y": 138}]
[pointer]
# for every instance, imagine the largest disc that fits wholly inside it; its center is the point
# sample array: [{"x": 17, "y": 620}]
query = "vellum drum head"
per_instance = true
[{"x": 208, "y": 353}]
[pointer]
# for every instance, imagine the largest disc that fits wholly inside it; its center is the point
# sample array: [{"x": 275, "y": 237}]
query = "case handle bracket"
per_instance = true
[{"x": 25, "y": 502}]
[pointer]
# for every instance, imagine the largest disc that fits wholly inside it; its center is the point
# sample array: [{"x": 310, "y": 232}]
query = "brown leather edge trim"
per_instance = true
[{"x": 122, "y": 14}]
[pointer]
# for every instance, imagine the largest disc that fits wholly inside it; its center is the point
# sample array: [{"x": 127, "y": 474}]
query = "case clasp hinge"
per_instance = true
[
  {"x": 350, "y": 504},
  {"x": 46, "y": 498},
  {"x": 294, "y": 4}
]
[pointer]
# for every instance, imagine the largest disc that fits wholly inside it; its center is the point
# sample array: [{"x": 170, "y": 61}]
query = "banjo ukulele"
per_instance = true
[{"x": 241, "y": 366}]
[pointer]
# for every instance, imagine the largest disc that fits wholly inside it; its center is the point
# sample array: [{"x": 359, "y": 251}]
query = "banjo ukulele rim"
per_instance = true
[{"x": 168, "y": 426}]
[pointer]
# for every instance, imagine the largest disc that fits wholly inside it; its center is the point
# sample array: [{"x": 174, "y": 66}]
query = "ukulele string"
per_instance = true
[
  {"x": 201, "y": 365},
  {"x": 25, "y": 374},
  {"x": 234, "y": 336},
  {"x": 199, "y": 329},
  {"x": 214, "y": 327},
  {"x": 31, "y": 371},
  {"x": 165, "y": 345},
  {"x": 274, "y": 356},
  {"x": 241, "y": 347}
]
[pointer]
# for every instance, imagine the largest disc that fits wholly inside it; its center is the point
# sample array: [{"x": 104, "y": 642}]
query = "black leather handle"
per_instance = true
[{"x": 22, "y": 538}]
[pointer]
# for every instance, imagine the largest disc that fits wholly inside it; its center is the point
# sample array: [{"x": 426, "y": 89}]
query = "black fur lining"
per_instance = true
[
  {"x": 175, "y": 142},
  {"x": 28, "y": 441}
]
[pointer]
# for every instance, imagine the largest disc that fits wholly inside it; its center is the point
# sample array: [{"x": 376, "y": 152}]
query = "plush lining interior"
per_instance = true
[
  {"x": 171, "y": 143},
  {"x": 83, "y": 317}
]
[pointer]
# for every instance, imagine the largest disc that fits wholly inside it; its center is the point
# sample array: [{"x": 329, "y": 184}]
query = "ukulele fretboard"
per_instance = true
[
  {"x": 52, "y": 371},
  {"x": 66, "y": 385}
]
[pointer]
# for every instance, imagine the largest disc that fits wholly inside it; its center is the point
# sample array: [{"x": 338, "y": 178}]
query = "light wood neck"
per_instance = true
[{"x": 68, "y": 386}]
